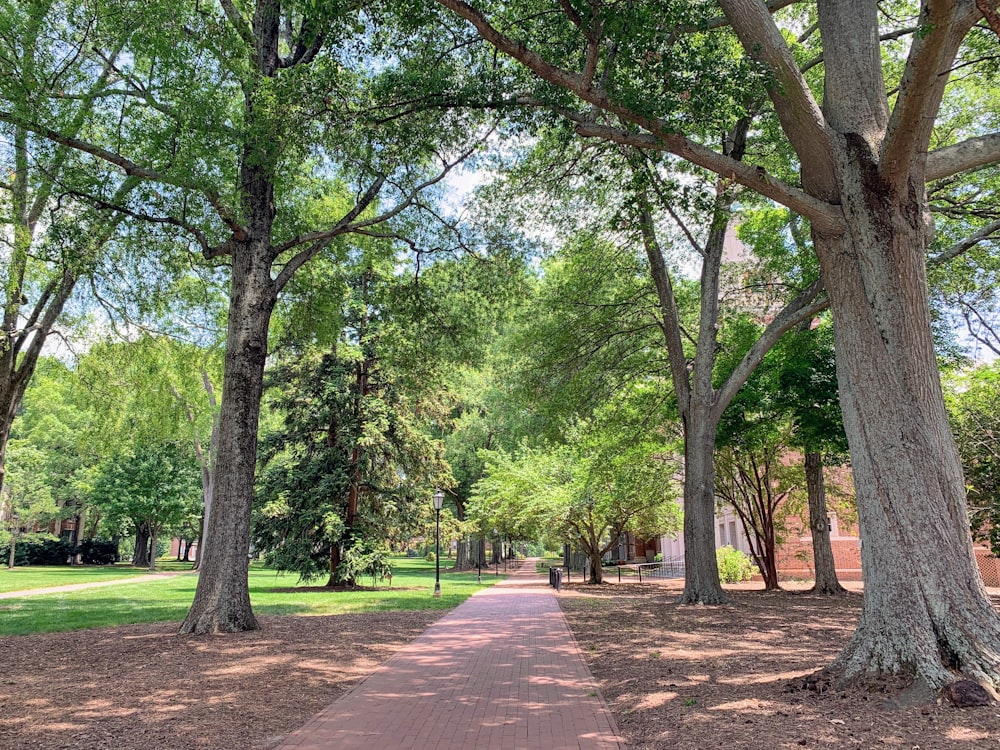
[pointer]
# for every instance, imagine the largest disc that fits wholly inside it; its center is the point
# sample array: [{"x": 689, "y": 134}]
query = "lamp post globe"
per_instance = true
[{"x": 438, "y": 502}]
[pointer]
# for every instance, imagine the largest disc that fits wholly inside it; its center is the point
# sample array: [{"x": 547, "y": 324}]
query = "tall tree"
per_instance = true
[
  {"x": 353, "y": 456},
  {"x": 619, "y": 313},
  {"x": 864, "y": 163},
  {"x": 262, "y": 131},
  {"x": 807, "y": 392},
  {"x": 51, "y": 240}
]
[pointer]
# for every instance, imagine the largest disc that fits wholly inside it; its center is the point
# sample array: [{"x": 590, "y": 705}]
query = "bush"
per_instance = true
[
  {"x": 45, "y": 552},
  {"x": 365, "y": 560},
  {"x": 429, "y": 557},
  {"x": 98, "y": 552},
  {"x": 734, "y": 566},
  {"x": 20, "y": 554}
]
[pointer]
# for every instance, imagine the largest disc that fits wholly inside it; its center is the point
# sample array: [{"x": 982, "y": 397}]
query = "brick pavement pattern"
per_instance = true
[{"x": 501, "y": 670}]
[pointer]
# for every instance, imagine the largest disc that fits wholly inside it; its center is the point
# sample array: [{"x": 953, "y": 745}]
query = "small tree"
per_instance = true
[
  {"x": 151, "y": 488},
  {"x": 609, "y": 477},
  {"x": 972, "y": 400},
  {"x": 753, "y": 481}
]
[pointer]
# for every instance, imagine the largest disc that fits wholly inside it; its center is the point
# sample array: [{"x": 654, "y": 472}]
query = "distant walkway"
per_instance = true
[
  {"x": 501, "y": 670},
  {"x": 91, "y": 585}
]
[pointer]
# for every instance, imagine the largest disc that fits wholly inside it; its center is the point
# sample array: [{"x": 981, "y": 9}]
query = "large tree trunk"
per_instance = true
[
  {"x": 140, "y": 555},
  {"x": 701, "y": 569},
  {"x": 819, "y": 525},
  {"x": 222, "y": 599},
  {"x": 596, "y": 570},
  {"x": 925, "y": 609}
]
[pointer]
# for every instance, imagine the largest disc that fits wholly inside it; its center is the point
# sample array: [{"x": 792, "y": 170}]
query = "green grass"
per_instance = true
[
  {"x": 168, "y": 599},
  {"x": 543, "y": 564},
  {"x": 48, "y": 576}
]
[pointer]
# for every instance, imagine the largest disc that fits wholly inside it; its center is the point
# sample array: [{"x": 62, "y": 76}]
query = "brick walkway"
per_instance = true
[{"x": 499, "y": 671}]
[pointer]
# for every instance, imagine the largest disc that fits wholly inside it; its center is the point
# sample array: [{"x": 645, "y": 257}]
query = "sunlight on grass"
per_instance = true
[
  {"x": 49, "y": 576},
  {"x": 271, "y": 593}
]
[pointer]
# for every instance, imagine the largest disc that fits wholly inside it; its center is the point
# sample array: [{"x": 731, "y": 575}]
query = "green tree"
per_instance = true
[
  {"x": 28, "y": 500},
  {"x": 265, "y": 132},
  {"x": 606, "y": 479},
  {"x": 353, "y": 455},
  {"x": 155, "y": 388},
  {"x": 51, "y": 238},
  {"x": 806, "y": 390},
  {"x": 150, "y": 488},
  {"x": 623, "y": 301},
  {"x": 972, "y": 399}
]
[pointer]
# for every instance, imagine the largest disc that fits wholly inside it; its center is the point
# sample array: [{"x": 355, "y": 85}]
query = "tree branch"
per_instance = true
[
  {"x": 240, "y": 25},
  {"x": 131, "y": 168},
  {"x": 803, "y": 307},
  {"x": 984, "y": 233},
  {"x": 824, "y": 216},
  {"x": 322, "y": 239},
  {"x": 922, "y": 85},
  {"x": 990, "y": 14},
  {"x": 668, "y": 309},
  {"x": 970, "y": 154},
  {"x": 800, "y": 115}
]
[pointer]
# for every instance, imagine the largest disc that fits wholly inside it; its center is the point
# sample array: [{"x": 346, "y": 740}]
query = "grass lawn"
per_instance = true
[
  {"x": 47, "y": 576},
  {"x": 271, "y": 593}
]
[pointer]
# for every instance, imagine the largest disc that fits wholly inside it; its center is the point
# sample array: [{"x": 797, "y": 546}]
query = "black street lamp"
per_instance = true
[{"x": 438, "y": 502}]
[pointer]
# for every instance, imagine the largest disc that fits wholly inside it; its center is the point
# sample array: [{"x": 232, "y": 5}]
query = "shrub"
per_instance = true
[
  {"x": 734, "y": 566},
  {"x": 20, "y": 554},
  {"x": 429, "y": 557},
  {"x": 365, "y": 560},
  {"x": 44, "y": 552},
  {"x": 97, "y": 552}
]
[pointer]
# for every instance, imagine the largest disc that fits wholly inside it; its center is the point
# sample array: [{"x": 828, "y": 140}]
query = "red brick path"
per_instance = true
[{"x": 500, "y": 671}]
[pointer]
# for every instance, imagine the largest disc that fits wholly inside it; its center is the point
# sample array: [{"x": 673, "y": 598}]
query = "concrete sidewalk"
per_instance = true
[{"x": 501, "y": 670}]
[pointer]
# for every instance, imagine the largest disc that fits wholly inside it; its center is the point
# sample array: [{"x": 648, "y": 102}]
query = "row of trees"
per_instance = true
[{"x": 272, "y": 138}]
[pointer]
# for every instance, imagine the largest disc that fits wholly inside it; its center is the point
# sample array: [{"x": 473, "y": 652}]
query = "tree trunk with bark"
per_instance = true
[
  {"x": 463, "y": 556},
  {"x": 701, "y": 579},
  {"x": 154, "y": 533},
  {"x": 596, "y": 569},
  {"x": 140, "y": 555},
  {"x": 222, "y": 599},
  {"x": 206, "y": 462},
  {"x": 825, "y": 568},
  {"x": 925, "y": 609}
]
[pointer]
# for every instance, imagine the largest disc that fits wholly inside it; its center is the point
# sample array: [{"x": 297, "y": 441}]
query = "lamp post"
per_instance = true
[{"x": 438, "y": 502}]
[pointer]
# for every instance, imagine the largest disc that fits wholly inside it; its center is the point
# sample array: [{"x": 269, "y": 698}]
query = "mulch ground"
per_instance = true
[
  {"x": 674, "y": 677},
  {"x": 731, "y": 677},
  {"x": 143, "y": 687}
]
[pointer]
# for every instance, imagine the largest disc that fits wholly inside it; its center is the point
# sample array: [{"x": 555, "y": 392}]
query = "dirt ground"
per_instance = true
[{"x": 674, "y": 677}]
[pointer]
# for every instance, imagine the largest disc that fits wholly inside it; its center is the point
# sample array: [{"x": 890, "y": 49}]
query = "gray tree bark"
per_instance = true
[
  {"x": 222, "y": 599},
  {"x": 825, "y": 568}
]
